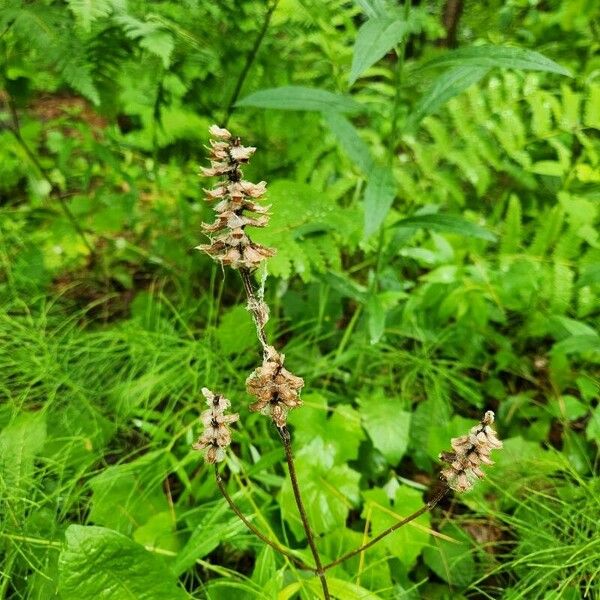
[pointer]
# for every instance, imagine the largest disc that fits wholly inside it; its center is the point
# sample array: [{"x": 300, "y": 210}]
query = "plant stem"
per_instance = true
[
  {"x": 249, "y": 60},
  {"x": 254, "y": 530},
  {"x": 287, "y": 444},
  {"x": 16, "y": 131},
  {"x": 426, "y": 507},
  {"x": 254, "y": 306}
]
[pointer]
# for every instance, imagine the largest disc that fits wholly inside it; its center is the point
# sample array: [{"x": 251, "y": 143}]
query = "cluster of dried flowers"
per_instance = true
[
  {"x": 275, "y": 388},
  {"x": 216, "y": 435},
  {"x": 469, "y": 453},
  {"x": 230, "y": 245}
]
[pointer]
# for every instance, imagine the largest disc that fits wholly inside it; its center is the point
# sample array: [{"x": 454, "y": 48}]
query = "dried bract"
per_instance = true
[
  {"x": 216, "y": 435},
  {"x": 469, "y": 453},
  {"x": 230, "y": 245},
  {"x": 276, "y": 389}
]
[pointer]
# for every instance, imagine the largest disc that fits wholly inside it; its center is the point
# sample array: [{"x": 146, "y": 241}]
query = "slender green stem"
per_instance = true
[
  {"x": 394, "y": 527},
  {"x": 275, "y": 545},
  {"x": 16, "y": 131},
  {"x": 249, "y": 61},
  {"x": 287, "y": 444}
]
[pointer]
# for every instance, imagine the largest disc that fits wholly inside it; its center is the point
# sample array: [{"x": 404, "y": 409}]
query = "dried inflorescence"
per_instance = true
[
  {"x": 216, "y": 435},
  {"x": 230, "y": 245},
  {"x": 276, "y": 389},
  {"x": 469, "y": 453}
]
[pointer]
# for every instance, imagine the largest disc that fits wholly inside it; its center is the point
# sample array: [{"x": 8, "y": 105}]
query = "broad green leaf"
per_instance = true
[
  {"x": 387, "y": 425},
  {"x": 292, "y": 97},
  {"x": 349, "y": 139},
  {"x": 452, "y": 561},
  {"x": 446, "y": 86},
  {"x": 126, "y": 496},
  {"x": 408, "y": 541},
  {"x": 379, "y": 195},
  {"x": 20, "y": 442},
  {"x": 343, "y": 590},
  {"x": 374, "y": 8},
  {"x": 446, "y": 224},
  {"x": 100, "y": 563},
  {"x": 236, "y": 332},
  {"x": 592, "y": 431},
  {"x": 490, "y": 56},
  {"x": 578, "y": 343},
  {"x": 339, "y": 427},
  {"x": 329, "y": 491},
  {"x": 375, "y": 38},
  {"x": 590, "y": 276}
]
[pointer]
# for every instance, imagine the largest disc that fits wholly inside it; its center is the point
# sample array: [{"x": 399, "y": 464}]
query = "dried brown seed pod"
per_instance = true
[{"x": 469, "y": 453}]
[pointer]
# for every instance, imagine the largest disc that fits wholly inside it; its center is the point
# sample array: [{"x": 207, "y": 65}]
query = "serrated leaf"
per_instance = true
[
  {"x": 100, "y": 563},
  {"x": 446, "y": 224},
  {"x": 489, "y": 56},
  {"x": 236, "y": 331},
  {"x": 88, "y": 11},
  {"x": 349, "y": 139},
  {"x": 375, "y": 38},
  {"x": 446, "y": 86},
  {"x": 379, "y": 195},
  {"x": 329, "y": 491},
  {"x": 387, "y": 425},
  {"x": 407, "y": 542},
  {"x": 293, "y": 97}
]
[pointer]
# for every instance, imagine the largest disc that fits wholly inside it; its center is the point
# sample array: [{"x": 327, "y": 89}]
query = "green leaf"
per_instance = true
[
  {"x": 292, "y": 97},
  {"x": 126, "y": 496},
  {"x": 387, "y": 426},
  {"x": 379, "y": 195},
  {"x": 329, "y": 491},
  {"x": 100, "y": 563},
  {"x": 489, "y": 56},
  {"x": 452, "y": 561},
  {"x": 20, "y": 442},
  {"x": 375, "y": 38},
  {"x": 88, "y": 11},
  {"x": 578, "y": 343},
  {"x": 446, "y": 86},
  {"x": 236, "y": 332},
  {"x": 350, "y": 141},
  {"x": 446, "y": 224},
  {"x": 407, "y": 542},
  {"x": 343, "y": 590},
  {"x": 340, "y": 430},
  {"x": 377, "y": 316},
  {"x": 590, "y": 276}
]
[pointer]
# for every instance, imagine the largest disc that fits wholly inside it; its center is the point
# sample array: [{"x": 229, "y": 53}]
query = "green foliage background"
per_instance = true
[{"x": 436, "y": 219}]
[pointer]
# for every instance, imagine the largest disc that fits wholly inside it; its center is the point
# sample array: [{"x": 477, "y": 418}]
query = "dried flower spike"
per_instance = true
[
  {"x": 229, "y": 244},
  {"x": 216, "y": 435},
  {"x": 276, "y": 389},
  {"x": 469, "y": 453}
]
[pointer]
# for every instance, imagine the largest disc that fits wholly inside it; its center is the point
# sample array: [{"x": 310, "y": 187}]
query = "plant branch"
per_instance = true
[
  {"x": 16, "y": 131},
  {"x": 426, "y": 507},
  {"x": 249, "y": 61},
  {"x": 287, "y": 444},
  {"x": 254, "y": 530}
]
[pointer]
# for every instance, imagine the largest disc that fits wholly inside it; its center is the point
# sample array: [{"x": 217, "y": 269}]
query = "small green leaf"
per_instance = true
[
  {"x": 446, "y": 224},
  {"x": 489, "y": 56},
  {"x": 376, "y": 37},
  {"x": 446, "y": 86},
  {"x": 377, "y": 316},
  {"x": 100, "y": 563},
  {"x": 292, "y": 97},
  {"x": 578, "y": 343},
  {"x": 379, "y": 195},
  {"x": 350, "y": 141},
  {"x": 235, "y": 333},
  {"x": 387, "y": 425}
]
